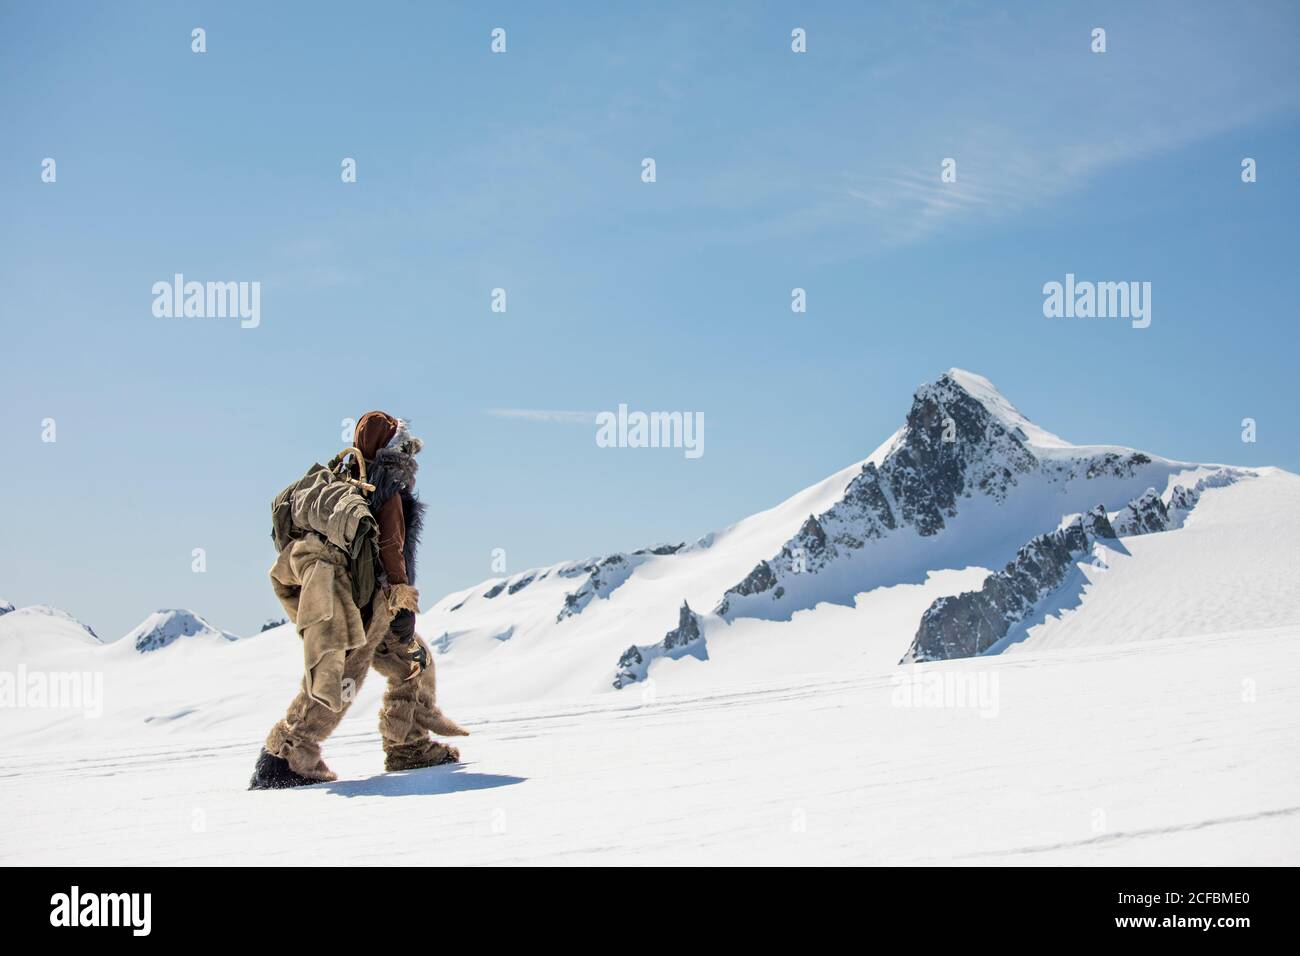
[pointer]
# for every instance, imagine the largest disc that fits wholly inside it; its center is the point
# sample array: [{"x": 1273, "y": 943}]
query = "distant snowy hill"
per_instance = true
[
  {"x": 43, "y": 619},
  {"x": 40, "y": 636},
  {"x": 162, "y": 628}
]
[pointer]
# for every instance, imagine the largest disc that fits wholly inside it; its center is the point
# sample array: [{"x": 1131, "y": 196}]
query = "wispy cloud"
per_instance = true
[
  {"x": 1029, "y": 114},
  {"x": 544, "y": 415}
]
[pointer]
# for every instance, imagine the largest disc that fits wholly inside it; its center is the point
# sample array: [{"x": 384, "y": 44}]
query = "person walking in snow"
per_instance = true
[{"x": 347, "y": 536}]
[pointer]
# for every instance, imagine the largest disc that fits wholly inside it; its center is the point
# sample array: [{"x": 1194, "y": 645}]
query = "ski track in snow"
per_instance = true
[{"x": 1130, "y": 753}]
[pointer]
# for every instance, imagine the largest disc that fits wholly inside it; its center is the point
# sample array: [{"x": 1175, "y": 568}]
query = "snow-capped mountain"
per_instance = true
[
  {"x": 965, "y": 476},
  {"x": 164, "y": 627},
  {"x": 5, "y": 607},
  {"x": 964, "y": 466},
  {"x": 841, "y": 572}
]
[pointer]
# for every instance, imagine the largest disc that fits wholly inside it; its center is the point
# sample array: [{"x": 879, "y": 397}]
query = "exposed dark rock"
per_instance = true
[
  {"x": 1097, "y": 523},
  {"x": 968, "y": 624},
  {"x": 1117, "y": 465},
  {"x": 661, "y": 549},
  {"x": 1182, "y": 499},
  {"x": 630, "y": 658},
  {"x": 603, "y": 578},
  {"x": 1143, "y": 515},
  {"x": 756, "y": 582},
  {"x": 686, "y": 637},
  {"x": 687, "y": 629},
  {"x": 521, "y": 583}
]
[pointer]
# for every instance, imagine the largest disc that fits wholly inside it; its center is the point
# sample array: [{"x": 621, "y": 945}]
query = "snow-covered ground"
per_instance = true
[{"x": 1179, "y": 751}]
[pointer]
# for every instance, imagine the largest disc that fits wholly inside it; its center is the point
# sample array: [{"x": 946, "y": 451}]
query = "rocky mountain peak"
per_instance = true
[{"x": 960, "y": 438}]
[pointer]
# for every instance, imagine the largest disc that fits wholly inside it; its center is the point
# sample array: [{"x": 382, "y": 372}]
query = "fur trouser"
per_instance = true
[{"x": 408, "y": 714}]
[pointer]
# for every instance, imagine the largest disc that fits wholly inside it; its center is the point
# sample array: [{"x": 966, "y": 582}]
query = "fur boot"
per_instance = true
[
  {"x": 426, "y": 753},
  {"x": 410, "y": 713}
]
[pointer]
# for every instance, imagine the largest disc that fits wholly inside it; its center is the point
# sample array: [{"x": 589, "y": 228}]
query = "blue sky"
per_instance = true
[{"x": 522, "y": 171}]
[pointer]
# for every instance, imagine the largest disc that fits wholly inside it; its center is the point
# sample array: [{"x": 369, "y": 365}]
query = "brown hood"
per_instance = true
[{"x": 374, "y": 431}]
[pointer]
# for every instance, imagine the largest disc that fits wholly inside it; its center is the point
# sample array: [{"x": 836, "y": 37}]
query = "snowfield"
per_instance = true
[
  {"x": 1144, "y": 712},
  {"x": 1179, "y": 751}
]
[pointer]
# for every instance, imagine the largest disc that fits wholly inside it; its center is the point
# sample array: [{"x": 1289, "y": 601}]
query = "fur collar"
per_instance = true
[
  {"x": 393, "y": 473},
  {"x": 393, "y": 467}
]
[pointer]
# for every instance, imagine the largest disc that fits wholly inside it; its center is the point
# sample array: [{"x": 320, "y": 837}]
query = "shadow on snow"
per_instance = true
[{"x": 450, "y": 778}]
